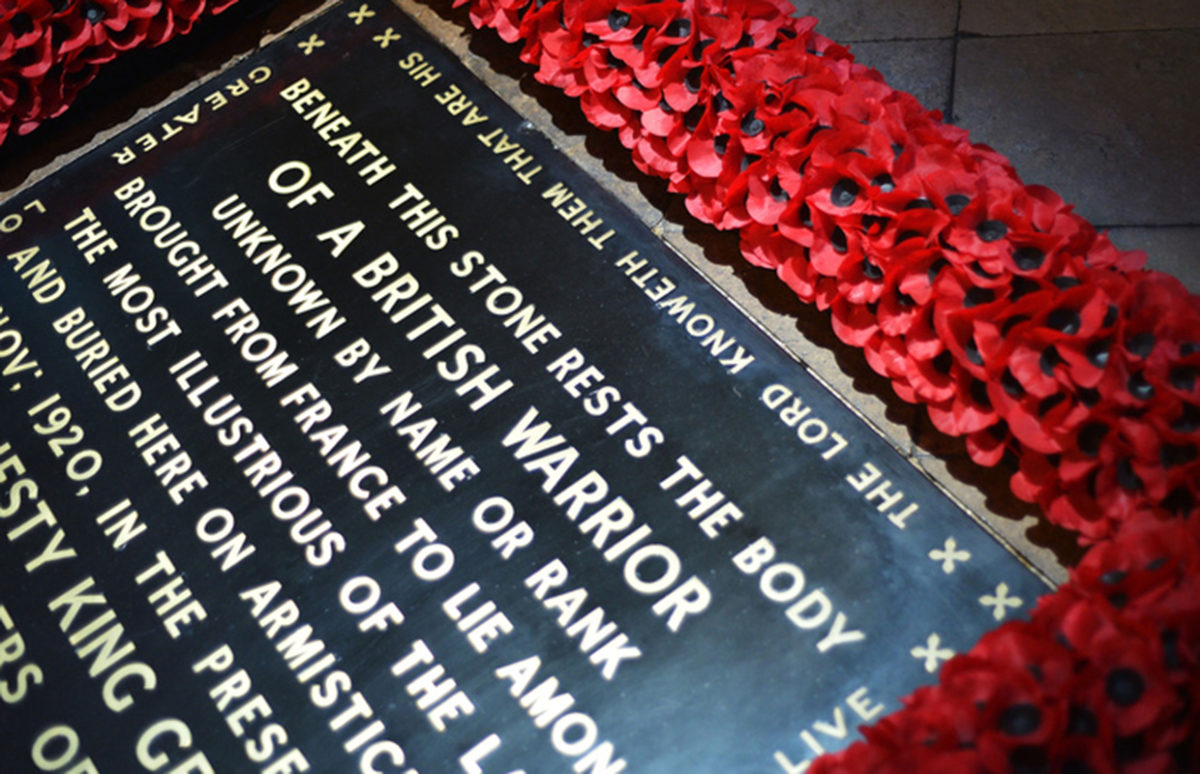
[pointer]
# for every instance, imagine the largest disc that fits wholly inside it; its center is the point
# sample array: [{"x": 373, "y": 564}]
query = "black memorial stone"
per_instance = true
[{"x": 349, "y": 427}]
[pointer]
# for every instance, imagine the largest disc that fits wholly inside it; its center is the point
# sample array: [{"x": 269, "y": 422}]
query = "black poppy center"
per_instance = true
[
  {"x": 1064, "y": 320},
  {"x": 1140, "y": 388},
  {"x": 1049, "y": 359},
  {"x": 991, "y": 230},
  {"x": 1011, "y": 385},
  {"x": 1028, "y": 258},
  {"x": 752, "y": 125},
  {"x": 1113, "y": 577},
  {"x": 978, "y": 296},
  {"x": 679, "y": 28},
  {"x": 973, "y": 355},
  {"x": 1020, "y": 719},
  {"x": 1140, "y": 344},
  {"x": 844, "y": 192},
  {"x": 957, "y": 203},
  {"x": 618, "y": 20},
  {"x": 935, "y": 268},
  {"x": 1090, "y": 436},
  {"x": 21, "y": 24},
  {"x": 1022, "y": 286},
  {"x": 1183, "y": 378},
  {"x": 1124, "y": 686},
  {"x": 1127, "y": 478},
  {"x": 1097, "y": 353},
  {"x": 838, "y": 240},
  {"x": 1188, "y": 421},
  {"x": 777, "y": 192}
]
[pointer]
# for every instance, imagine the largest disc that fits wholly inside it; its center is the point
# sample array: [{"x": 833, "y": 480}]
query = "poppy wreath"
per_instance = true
[
  {"x": 50, "y": 49},
  {"x": 1018, "y": 326}
]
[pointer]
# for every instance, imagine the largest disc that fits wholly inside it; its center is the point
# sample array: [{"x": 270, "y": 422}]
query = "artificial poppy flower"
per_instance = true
[{"x": 504, "y": 16}]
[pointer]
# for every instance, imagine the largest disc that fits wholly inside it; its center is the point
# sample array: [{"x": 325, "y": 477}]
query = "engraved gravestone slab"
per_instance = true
[{"x": 349, "y": 427}]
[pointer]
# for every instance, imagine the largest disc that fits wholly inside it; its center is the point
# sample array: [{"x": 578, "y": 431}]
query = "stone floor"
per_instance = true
[{"x": 1097, "y": 99}]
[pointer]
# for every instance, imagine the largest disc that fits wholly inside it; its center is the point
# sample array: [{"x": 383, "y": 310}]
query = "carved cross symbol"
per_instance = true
[
  {"x": 933, "y": 653},
  {"x": 949, "y": 555},
  {"x": 1000, "y": 602},
  {"x": 386, "y": 38},
  {"x": 311, "y": 44},
  {"x": 363, "y": 13}
]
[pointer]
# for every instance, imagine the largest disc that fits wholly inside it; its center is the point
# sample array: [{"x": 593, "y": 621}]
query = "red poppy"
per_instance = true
[{"x": 504, "y": 16}]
